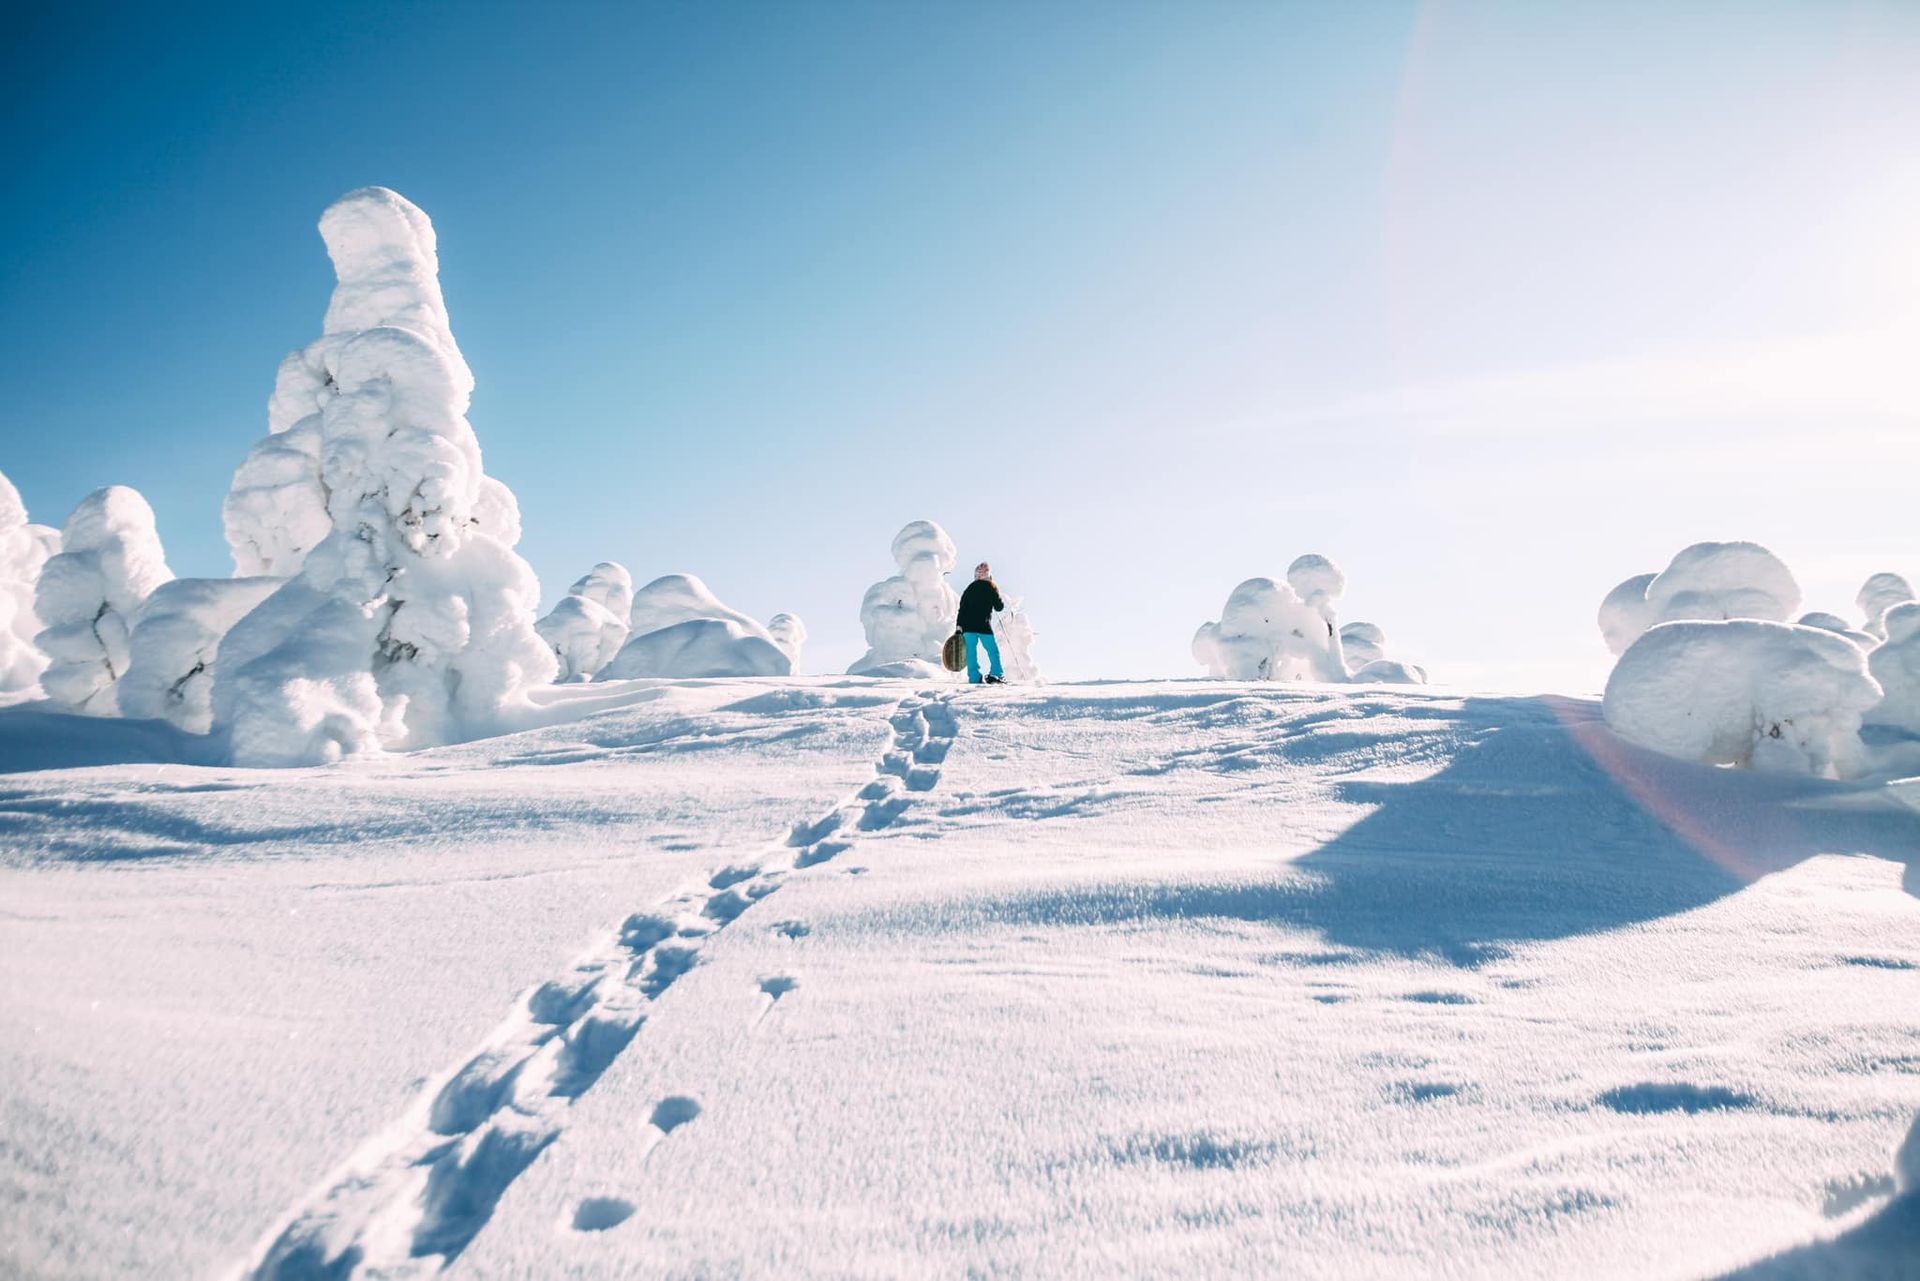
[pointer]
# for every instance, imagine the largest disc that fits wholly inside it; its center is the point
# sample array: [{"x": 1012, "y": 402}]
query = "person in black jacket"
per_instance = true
[{"x": 977, "y": 606}]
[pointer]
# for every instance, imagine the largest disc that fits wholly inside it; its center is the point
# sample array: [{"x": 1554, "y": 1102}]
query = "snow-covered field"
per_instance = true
[{"x": 849, "y": 977}]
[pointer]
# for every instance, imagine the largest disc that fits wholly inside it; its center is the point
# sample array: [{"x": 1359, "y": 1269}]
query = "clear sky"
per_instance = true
[{"x": 1494, "y": 304}]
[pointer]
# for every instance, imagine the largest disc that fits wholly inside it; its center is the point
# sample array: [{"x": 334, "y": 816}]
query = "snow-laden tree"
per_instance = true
[
  {"x": 679, "y": 629},
  {"x": 1752, "y": 692},
  {"x": 1705, "y": 582},
  {"x": 908, "y": 617},
  {"x": 1838, "y": 626},
  {"x": 175, "y": 645},
  {"x": 409, "y": 618},
  {"x": 24, "y": 549},
  {"x": 89, "y": 597},
  {"x": 1013, "y": 629},
  {"x": 1270, "y": 631},
  {"x": 589, "y": 625},
  {"x": 790, "y": 634},
  {"x": 1879, "y": 594},
  {"x": 1896, "y": 665}
]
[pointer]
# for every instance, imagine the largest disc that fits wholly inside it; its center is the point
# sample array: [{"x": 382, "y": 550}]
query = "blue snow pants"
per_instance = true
[{"x": 976, "y": 641}]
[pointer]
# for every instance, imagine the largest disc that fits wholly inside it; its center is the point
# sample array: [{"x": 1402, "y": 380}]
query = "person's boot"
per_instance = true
[{"x": 995, "y": 680}]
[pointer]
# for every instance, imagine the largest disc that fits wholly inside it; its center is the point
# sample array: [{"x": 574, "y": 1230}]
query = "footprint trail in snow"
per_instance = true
[{"x": 414, "y": 1196}]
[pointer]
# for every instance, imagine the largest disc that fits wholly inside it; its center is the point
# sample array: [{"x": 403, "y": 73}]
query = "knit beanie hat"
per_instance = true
[{"x": 982, "y": 570}]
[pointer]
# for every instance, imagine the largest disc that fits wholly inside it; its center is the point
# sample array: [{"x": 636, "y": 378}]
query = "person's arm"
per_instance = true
[{"x": 998, "y": 604}]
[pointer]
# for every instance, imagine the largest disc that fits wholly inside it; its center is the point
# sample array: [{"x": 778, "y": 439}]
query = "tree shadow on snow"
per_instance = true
[
  {"x": 34, "y": 737},
  {"x": 1544, "y": 826}
]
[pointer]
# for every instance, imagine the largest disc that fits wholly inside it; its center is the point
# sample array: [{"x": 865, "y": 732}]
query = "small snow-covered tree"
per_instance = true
[
  {"x": 1896, "y": 665},
  {"x": 790, "y": 634},
  {"x": 1704, "y": 582},
  {"x": 1879, "y": 594},
  {"x": 410, "y": 620},
  {"x": 174, "y": 647},
  {"x": 908, "y": 617},
  {"x": 1291, "y": 631},
  {"x": 24, "y": 550},
  {"x": 89, "y": 597},
  {"x": 1014, "y": 631},
  {"x": 1744, "y": 692},
  {"x": 589, "y": 625},
  {"x": 680, "y": 629}
]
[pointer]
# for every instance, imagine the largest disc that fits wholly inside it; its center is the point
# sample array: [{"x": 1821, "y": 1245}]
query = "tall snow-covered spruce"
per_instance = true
[
  {"x": 408, "y": 618},
  {"x": 24, "y": 549}
]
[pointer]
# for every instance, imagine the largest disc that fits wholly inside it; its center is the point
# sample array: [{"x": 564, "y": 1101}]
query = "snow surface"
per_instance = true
[
  {"x": 88, "y": 597},
  {"x": 410, "y": 621},
  {"x": 24, "y": 549},
  {"x": 840, "y": 977}
]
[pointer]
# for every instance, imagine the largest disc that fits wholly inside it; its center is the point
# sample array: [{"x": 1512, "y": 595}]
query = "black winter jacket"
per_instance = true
[{"x": 977, "y": 605}]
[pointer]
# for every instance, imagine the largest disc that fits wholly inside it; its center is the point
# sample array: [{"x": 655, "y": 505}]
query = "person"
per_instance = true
[{"x": 977, "y": 606}]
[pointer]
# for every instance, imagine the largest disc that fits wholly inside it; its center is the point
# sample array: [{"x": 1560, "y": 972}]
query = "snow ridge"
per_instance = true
[{"x": 415, "y": 1196}]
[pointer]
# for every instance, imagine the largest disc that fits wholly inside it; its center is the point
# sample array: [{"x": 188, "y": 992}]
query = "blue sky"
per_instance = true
[{"x": 1494, "y": 304}]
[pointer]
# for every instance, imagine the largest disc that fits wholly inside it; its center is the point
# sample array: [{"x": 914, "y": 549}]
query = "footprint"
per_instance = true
[
  {"x": 731, "y": 876},
  {"x": 598, "y": 1213},
  {"x": 791, "y": 929},
  {"x": 1674, "y": 1096},
  {"x": 778, "y": 986},
  {"x": 673, "y": 1112}
]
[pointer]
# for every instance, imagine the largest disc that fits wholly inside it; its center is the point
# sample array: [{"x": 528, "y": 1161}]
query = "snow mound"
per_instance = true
[
  {"x": 790, "y": 634},
  {"x": 24, "y": 550},
  {"x": 700, "y": 647},
  {"x": 410, "y": 621},
  {"x": 175, "y": 645},
  {"x": 1896, "y": 665},
  {"x": 681, "y": 630},
  {"x": 89, "y": 596},
  {"x": 1771, "y": 695},
  {"x": 1387, "y": 671},
  {"x": 1880, "y": 593},
  {"x": 589, "y": 625},
  {"x": 908, "y": 617}
]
